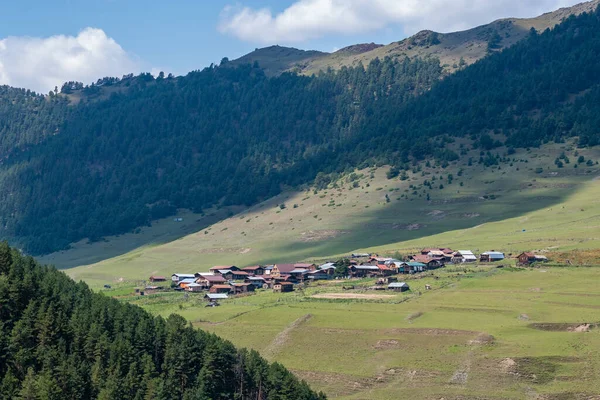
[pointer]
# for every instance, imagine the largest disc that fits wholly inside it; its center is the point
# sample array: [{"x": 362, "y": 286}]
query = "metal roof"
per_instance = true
[
  {"x": 465, "y": 252},
  {"x": 415, "y": 264},
  {"x": 184, "y": 275},
  {"x": 224, "y": 271},
  {"x": 493, "y": 253},
  {"x": 328, "y": 265},
  {"x": 398, "y": 285},
  {"x": 187, "y": 280},
  {"x": 298, "y": 271},
  {"x": 194, "y": 284},
  {"x": 217, "y": 296}
]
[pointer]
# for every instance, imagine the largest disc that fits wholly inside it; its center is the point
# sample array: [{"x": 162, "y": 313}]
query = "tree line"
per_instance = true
[{"x": 59, "y": 340}]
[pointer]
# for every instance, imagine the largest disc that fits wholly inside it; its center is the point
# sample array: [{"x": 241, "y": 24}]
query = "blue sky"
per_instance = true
[{"x": 183, "y": 35}]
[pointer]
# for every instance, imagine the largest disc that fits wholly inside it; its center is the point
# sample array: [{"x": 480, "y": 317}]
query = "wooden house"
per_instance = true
[
  {"x": 155, "y": 278},
  {"x": 283, "y": 287},
  {"x": 362, "y": 271},
  {"x": 239, "y": 288},
  {"x": 463, "y": 256},
  {"x": 398, "y": 286},
  {"x": 220, "y": 289},
  {"x": 208, "y": 280},
  {"x": 257, "y": 281},
  {"x": 216, "y": 269},
  {"x": 194, "y": 287},
  {"x": 431, "y": 263},
  {"x": 281, "y": 269},
  {"x": 310, "y": 267},
  {"x": 179, "y": 277},
  {"x": 182, "y": 284},
  {"x": 255, "y": 270},
  {"x": 491, "y": 256},
  {"x": 215, "y": 296},
  {"x": 528, "y": 258}
]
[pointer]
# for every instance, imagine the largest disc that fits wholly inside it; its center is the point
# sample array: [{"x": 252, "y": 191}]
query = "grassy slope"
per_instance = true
[
  {"x": 429, "y": 346},
  {"x": 344, "y": 219},
  {"x": 471, "y": 45}
]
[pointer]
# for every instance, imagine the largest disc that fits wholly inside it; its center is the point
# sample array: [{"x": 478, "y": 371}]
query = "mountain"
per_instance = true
[
  {"x": 136, "y": 149},
  {"x": 450, "y": 48},
  {"x": 59, "y": 340}
]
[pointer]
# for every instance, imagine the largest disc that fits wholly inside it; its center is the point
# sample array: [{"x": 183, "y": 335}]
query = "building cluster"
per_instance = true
[{"x": 223, "y": 281}]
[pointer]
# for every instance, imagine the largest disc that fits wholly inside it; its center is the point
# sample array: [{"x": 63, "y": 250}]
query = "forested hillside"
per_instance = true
[
  {"x": 218, "y": 135},
  {"x": 26, "y": 118},
  {"x": 58, "y": 340},
  {"x": 235, "y": 136}
]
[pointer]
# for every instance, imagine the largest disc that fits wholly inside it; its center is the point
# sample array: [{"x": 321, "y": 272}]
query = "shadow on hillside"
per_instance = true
[{"x": 385, "y": 227}]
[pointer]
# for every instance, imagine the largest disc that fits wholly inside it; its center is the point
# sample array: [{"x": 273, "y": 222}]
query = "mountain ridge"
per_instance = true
[{"x": 469, "y": 45}]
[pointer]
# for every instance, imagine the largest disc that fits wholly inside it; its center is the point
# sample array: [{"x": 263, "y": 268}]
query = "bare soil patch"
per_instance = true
[
  {"x": 563, "y": 327},
  {"x": 482, "y": 339},
  {"x": 387, "y": 344},
  {"x": 508, "y": 366},
  {"x": 355, "y": 296}
]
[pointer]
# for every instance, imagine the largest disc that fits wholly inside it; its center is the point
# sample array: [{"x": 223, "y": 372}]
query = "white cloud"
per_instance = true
[
  {"x": 311, "y": 19},
  {"x": 43, "y": 63}
]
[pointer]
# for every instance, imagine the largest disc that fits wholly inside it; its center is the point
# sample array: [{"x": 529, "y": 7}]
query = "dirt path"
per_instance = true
[{"x": 283, "y": 336}]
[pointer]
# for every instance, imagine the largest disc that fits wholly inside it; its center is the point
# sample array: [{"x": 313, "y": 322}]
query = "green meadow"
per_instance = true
[
  {"x": 474, "y": 335},
  {"x": 482, "y": 332}
]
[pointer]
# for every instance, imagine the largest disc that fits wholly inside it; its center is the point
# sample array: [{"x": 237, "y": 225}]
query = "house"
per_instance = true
[
  {"x": 215, "y": 296},
  {"x": 398, "y": 286},
  {"x": 530, "y": 258},
  {"x": 179, "y": 277},
  {"x": 491, "y": 256},
  {"x": 361, "y": 271},
  {"x": 387, "y": 269},
  {"x": 220, "y": 289},
  {"x": 243, "y": 288},
  {"x": 254, "y": 270},
  {"x": 283, "y": 287},
  {"x": 215, "y": 270},
  {"x": 431, "y": 263},
  {"x": 258, "y": 282},
  {"x": 233, "y": 275},
  {"x": 299, "y": 273},
  {"x": 463, "y": 256},
  {"x": 379, "y": 260},
  {"x": 182, "y": 284},
  {"x": 194, "y": 287},
  {"x": 360, "y": 255},
  {"x": 319, "y": 275},
  {"x": 281, "y": 269},
  {"x": 310, "y": 267},
  {"x": 208, "y": 280},
  {"x": 154, "y": 278},
  {"x": 410, "y": 267}
]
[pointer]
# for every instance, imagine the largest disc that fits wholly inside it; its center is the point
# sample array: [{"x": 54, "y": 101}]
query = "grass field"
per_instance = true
[
  {"x": 373, "y": 212},
  {"x": 473, "y": 336},
  {"x": 482, "y": 332}
]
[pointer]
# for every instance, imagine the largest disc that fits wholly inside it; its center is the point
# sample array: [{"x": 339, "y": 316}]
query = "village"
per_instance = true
[{"x": 221, "y": 282}]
